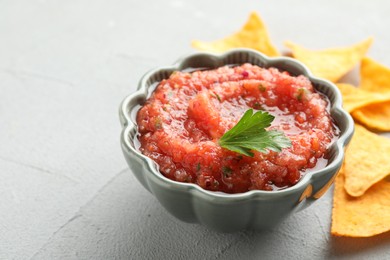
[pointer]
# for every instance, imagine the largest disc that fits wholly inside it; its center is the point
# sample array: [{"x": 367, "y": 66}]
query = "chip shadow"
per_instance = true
[{"x": 349, "y": 246}]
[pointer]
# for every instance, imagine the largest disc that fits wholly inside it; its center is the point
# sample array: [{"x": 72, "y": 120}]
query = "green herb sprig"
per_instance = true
[{"x": 250, "y": 134}]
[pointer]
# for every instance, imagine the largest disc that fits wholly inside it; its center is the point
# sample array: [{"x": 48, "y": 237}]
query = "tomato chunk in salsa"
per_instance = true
[{"x": 181, "y": 122}]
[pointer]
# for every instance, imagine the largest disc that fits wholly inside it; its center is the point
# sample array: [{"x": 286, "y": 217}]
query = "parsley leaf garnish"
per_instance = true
[{"x": 250, "y": 134}]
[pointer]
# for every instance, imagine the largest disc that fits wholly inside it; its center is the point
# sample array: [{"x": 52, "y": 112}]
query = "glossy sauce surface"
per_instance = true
[{"x": 180, "y": 124}]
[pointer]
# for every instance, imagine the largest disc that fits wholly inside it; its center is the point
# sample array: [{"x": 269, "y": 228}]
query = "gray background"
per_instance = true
[{"x": 65, "y": 190}]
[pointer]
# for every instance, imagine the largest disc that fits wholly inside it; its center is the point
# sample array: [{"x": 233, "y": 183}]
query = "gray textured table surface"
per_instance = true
[{"x": 65, "y": 190}]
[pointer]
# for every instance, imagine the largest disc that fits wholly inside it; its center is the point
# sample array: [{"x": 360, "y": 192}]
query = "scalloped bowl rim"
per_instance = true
[{"x": 142, "y": 91}]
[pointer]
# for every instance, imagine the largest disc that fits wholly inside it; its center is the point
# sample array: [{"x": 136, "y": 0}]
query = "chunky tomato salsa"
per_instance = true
[{"x": 180, "y": 125}]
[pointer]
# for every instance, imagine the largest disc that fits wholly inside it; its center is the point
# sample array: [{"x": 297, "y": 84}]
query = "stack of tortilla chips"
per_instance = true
[{"x": 361, "y": 204}]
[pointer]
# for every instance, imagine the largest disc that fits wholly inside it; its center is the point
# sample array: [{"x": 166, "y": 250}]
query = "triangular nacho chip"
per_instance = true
[
  {"x": 363, "y": 216},
  {"x": 252, "y": 35},
  {"x": 333, "y": 63},
  {"x": 367, "y": 161},
  {"x": 374, "y": 76},
  {"x": 355, "y": 98},
  {"x": 375, "y": 116}
]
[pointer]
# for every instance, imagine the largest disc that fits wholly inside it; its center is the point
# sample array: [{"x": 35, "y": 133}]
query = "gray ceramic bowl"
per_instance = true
[{"x": 254, "y": 209}]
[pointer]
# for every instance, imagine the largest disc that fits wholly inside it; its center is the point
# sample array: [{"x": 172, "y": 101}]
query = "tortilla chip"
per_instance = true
[
  {"x": 331, "y": 64},
  {"x": 367, "y": 161},
  {"x": 354, "y": 98},
  {"x": 375, "y": 116},
  {"x": 374, "y": 76},
  {"x": 364, "y": 216},
  {"x": 252, "y": 35}
]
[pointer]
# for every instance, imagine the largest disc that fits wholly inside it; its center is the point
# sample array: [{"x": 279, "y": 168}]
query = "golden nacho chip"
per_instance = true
[
  {"x": 252, "y": 35},
  {"x": 363, "y": 216},
  {"x": 375, "y": 116},
  {"x": 374, "y": 76},
  {"x": 333, "y": 63},
  {"x": 354, "y": 98},
  {"x": 367, "y": 161}
]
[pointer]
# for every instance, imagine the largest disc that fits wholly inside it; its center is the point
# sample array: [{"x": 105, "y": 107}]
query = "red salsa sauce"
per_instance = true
[{"x": 180, "y": 125}]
